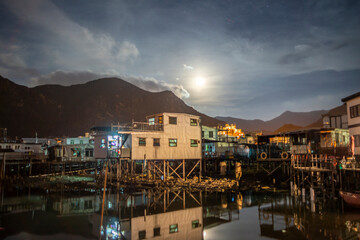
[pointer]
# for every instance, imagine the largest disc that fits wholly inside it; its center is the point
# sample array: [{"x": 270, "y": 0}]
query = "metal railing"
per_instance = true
[{"x": 138, "y": 126}]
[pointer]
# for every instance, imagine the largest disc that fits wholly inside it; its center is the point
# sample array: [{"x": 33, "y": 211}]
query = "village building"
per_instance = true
[
  {"x": 168, "y": 139},
  {"x": 353, "y": 116},
  {"x": 330, "y": 137},
  {"x": 11, "y": 152},
  {"x": 336, "y": 118},
  {"x": 210, "y": 138},
  {"x": 20, "y": 147},
  {"x": 78, "y": 149}
]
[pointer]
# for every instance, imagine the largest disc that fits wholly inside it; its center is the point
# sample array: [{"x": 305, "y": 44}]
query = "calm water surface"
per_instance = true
[{"x": 63, "y": 214}]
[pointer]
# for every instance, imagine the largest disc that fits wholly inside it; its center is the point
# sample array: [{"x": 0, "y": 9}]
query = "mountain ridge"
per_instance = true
[{"x": 56, "y": 110}]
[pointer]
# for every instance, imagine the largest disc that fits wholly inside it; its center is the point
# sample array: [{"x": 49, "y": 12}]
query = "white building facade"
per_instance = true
[
  {"x": 353, "y": 112},
  {"x": 174, "y": 136}
]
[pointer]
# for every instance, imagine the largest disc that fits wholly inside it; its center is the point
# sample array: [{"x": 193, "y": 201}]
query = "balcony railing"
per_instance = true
[
  {"x": 141, "y": 126},
  {"x": 138, "y": 126}
]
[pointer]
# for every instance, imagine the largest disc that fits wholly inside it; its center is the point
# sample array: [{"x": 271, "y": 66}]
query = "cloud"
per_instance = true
[
  {"x": 127, "y": 51},
  {"x": 188, "y": 67},
  {"x": 68, "y": 44},
  {"x": 12, "y": 64},
  {"x": 154, "y": 85},
  {"x": 301, "y": 47},
  {"x": 66, "y": 78},
  {"x": 79, "y": 77}
]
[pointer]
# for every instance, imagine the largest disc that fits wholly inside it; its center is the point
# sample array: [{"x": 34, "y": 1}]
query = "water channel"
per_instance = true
[{"x": 67, "y": 214}]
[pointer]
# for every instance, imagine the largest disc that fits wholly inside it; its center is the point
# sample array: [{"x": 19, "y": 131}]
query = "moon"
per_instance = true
[{"x": 200, "y": 82}]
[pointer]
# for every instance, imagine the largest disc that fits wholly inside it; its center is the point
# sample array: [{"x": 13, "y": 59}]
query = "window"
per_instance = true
[
  {"x": 88, "y": 204},
  {"x": 193, "y": 143},
  {"x": 156, "y": 231},
  {"x": 102, "y": 144},
  {"x": 75, "y": 205},
  {"x": 195, "y": 223},
  {"x": 172, "y": 142},
  {"x": 211, "y": 134},
  {"x": 81, "y": 141},
  {"x": 152, "y": 121},
  {"x": 173, "y": 228},
  {"x": 71, "y": 141},
  {"x": 172, "y": 120},
  {"x": 337, "y": 138},
  {"x": 142, "y": 234},
  {"x": 89, "y": 152},
  {"x": 142, "y": 141},
  {"x": 357, "y": 140},
  {"x": 156, "y": 142},
  {"x": 355, "y": 111},
  {"x": 193, "y": 122}
]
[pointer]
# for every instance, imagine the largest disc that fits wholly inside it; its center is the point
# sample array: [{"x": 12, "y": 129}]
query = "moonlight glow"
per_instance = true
[{"x": 200, "y": 82}]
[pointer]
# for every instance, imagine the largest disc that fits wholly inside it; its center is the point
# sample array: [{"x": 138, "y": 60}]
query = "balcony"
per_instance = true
[{"x": 138, "y": 126}]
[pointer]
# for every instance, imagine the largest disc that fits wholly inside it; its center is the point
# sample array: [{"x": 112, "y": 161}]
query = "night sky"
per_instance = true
[{"x": 247, "y": 59}]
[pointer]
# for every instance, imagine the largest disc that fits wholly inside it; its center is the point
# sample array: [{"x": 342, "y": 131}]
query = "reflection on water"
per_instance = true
[{"x": 34, "y": 214}]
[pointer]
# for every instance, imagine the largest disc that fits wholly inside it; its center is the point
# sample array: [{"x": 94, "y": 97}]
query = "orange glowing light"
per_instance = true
[{"x": 231, "y": 131}]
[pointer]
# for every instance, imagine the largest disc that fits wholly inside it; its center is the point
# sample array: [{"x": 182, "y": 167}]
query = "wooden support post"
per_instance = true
[
  {"x": 333, "y": 183},
  {"x": 184, "y": 178},
  {"x": 340, "y": 170},
  {"x": 204, "y": 166},
  {"x": 184, "y": 195},
  {"x": 164, "y": 171},
  {"x": 142, "y": 170},
  {"x": 164, "y": 198},
  {"x": 148, "y": 169},
  {"x": 131, "y": 167},
  {"x": 167, "y": 168},
  {"x": 154, "y": 170},
  {"x": 200, "y": 170},
  {"x": 118, "y": 171}
]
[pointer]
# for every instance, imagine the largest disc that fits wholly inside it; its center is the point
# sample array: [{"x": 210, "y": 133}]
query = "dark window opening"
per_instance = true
[
  {"x": 142, "y": 234},
  {"x": 142, "y": 141},
  {"x": 172, "y": 120},
  {"x": 355, "y": 111},
  {"x": 156, "y": 142},
  {"x": 156, "y": 231}
]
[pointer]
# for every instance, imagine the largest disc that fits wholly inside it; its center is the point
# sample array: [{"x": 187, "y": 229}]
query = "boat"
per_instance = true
[{"x": 352, "y": 199}]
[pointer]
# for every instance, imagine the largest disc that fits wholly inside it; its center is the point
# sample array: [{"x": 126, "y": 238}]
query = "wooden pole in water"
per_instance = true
[{"x": 103, "y": 201}]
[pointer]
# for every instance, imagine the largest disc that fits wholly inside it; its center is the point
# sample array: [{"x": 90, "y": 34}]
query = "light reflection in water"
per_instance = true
[{"x": 172, "y": 214}]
